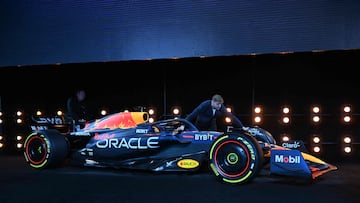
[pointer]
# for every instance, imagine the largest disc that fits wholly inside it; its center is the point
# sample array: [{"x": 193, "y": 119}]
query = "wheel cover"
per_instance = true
[
  {"x": 36, "y": 151},
  {"x": 232, "y": 159}
]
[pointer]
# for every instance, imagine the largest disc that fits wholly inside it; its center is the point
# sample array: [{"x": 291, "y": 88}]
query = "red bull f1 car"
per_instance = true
[{"x": 127, "y": 140}]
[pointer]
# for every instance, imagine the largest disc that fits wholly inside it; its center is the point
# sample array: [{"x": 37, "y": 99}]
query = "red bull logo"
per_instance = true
[{"x": 119, "y": 120}]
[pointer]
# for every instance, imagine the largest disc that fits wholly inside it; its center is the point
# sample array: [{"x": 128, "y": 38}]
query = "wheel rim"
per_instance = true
[
  {"x": 232, "y": 158},
  {"x": 36, "y": 150}
]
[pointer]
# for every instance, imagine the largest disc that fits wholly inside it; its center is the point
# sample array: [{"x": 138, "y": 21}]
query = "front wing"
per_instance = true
[{"x": 294, "y": 163}]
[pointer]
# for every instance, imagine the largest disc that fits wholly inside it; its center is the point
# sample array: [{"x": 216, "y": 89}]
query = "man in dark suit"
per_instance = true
[
  {"x": 76, "y": 107},
  {"x": 204, "y": 116}
]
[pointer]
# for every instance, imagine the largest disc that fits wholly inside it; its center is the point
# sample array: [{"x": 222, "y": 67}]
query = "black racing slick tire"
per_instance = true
[
  {"x": 235, "y": 158},
  {"x": 46, "y": 149}
]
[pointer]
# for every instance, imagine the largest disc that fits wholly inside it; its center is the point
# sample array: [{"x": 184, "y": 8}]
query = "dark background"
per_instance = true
[
  {"x": 272, "y": 80},
  {"x": 50, "y": 32},
  {"x": 328, "y": 79},
  {"x": 165, "y": 53}
]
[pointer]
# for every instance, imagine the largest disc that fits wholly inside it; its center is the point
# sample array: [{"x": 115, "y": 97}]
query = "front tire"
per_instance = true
[
  {"x": 45, "y": 149},
  {"x": 235, "y": 158}
]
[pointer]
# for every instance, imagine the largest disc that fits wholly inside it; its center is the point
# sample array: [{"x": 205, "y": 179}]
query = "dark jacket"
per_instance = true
[
  {"x": 204, "y": 119},
  {"x": 75, "y": 109}
]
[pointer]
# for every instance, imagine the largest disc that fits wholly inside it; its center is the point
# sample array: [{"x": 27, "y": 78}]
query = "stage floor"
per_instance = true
[{"x": 20, "y": 183}]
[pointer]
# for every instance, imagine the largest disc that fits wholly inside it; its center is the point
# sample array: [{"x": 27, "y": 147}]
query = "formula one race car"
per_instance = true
[{"x": 127, "y": 140}]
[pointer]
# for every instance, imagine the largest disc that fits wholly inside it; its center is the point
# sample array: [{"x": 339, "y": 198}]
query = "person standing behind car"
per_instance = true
[
  {"x": 205, "y": 115},
  {"x": 76, "y": 108}
]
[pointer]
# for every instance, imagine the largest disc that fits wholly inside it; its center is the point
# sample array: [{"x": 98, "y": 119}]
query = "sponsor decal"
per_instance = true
[
  {"x": 207, "y": 136},
  {"x": 141, "y": 131},
  {"x": 279, "y": 158},
  {"x": 249, "y": 146},
  {"x": 254, "y": 131},
  {"x": 289, "y": 162},
  {"x": 87, "y": 151},
  {"x": 103, "y": 136},
  {"x": 51, "y": 120},
  {"x": 291, "y": 145},
  {"x": 129, "y": 143},
  {"x": 36, "y": 128},
  {"x": 188, "y": 163}
]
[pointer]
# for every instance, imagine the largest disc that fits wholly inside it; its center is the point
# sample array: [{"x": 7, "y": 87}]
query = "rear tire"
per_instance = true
[
  {"x": 46, "y": 149},
  {"x": 235, "y": 158}
]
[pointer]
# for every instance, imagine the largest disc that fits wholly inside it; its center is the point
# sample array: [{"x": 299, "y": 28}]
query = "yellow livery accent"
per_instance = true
[{"x": 188, "y": 163}]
